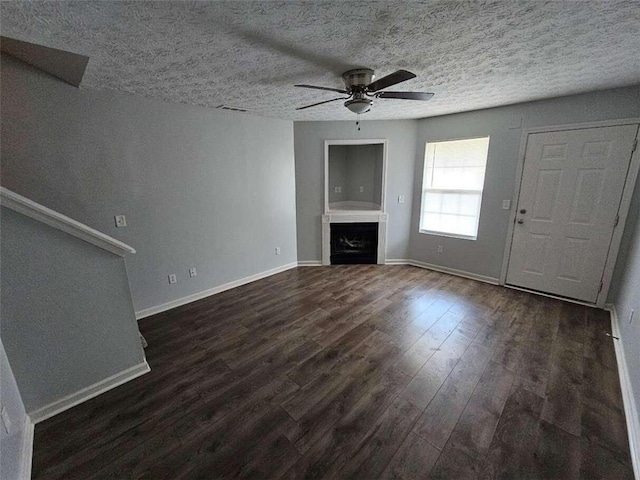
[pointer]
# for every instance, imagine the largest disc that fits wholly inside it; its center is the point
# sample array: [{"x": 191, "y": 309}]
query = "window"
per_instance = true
[{"x": 452, "y": 187}]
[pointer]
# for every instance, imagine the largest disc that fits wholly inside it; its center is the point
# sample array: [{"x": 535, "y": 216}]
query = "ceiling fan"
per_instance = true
[{"x": 361, "y": 89}]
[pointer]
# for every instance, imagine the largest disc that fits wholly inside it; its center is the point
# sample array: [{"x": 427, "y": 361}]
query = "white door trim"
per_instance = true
[{"x": 623, "y": 209}]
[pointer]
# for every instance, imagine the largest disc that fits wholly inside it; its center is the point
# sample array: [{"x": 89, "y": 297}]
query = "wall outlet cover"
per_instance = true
[
  {"x": 440, "y": 249},
  {"x": 121, "y": 221},
  {"x": 400, "y": 198},
  {"x": 277, "y": 250},
  {"x": 193, "y": 272},
  {"x": 6, "y": 421},
  {"x": 173, "y": 278},
  {"x": 506, "y": 204}
]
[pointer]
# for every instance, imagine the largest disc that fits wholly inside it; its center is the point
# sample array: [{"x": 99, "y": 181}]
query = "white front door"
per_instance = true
[{"x": 572, "y": 183}]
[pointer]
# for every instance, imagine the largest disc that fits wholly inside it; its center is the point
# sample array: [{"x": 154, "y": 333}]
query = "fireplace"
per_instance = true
[{"x": 353, "y": 243}]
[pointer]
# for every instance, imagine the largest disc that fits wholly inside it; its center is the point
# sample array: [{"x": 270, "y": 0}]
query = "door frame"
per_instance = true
[{"x": 623, "y": 209}]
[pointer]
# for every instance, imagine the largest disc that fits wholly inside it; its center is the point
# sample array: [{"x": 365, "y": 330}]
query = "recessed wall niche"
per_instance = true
[{"x": 355, "y": 175}]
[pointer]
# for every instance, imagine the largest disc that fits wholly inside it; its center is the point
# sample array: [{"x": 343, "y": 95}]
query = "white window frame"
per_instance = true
[{"x": 425, "y": 189}]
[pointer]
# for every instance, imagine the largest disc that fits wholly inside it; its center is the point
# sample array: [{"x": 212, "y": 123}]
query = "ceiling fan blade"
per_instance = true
[
  {"x": 320, "y": 103},
  {"x": 396, "y": 77},
  {"x": 405, "y": 95},
  {"x": 322, "y": 88}
]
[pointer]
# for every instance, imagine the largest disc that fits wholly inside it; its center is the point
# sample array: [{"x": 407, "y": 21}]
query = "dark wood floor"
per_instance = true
[{"x": 358, "y": 372}]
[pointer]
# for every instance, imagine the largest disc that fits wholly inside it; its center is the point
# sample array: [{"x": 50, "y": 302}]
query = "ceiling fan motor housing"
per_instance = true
[{"x": 357, "y": 78}]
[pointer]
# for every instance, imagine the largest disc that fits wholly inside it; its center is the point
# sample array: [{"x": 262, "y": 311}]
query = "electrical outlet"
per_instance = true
[
  {"x": 121, "y": 221},
  {"x": 361, "y": 189},
  {"x": 631, "y": 316},
  {"x": 193, "y": 272},
  {"x": 506, "y": 204},
  {"x": 440, "y": 249},
  {"x": 277, "y": 250},
  {"x": 400, "y": 198},
  {"x": 173, "y": 278},
  {"x": 6, "y": 421}
]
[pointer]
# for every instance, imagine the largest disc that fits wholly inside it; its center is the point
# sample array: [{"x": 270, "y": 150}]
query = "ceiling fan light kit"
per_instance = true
[
  {"x": 362, "y": 88},
  {"x": 359, "y": 105}
]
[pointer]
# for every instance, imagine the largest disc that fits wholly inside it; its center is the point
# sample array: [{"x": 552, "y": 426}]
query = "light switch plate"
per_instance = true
[
  {"x": 121, "y": 221},
  {"x": 506, "y": 204},
  {"x": 400, "y": 198}
]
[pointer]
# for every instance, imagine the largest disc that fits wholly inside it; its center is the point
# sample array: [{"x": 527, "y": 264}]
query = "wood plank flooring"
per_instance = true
[{"x": 357, "y": 372}]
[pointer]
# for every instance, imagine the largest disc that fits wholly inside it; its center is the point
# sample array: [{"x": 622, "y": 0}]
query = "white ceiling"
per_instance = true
[{"x": 249, "y": 54}]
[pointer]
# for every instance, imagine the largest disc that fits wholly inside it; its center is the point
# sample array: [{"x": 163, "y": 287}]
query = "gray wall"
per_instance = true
[
  {"x": 309, "y": 154},
  {"x": 67, "y": 319},
  {"x": 200, "y": 188},
  {"x": 10, "y": 443},
  {"x": 337, "y": 173},
  {"x": 361, "y": 164},
  {"x": 484, "y": 256},
  {"x": 627, "y": 295}
]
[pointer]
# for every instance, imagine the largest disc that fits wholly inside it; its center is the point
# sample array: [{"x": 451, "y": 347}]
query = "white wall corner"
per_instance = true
[
  {"x": 26, "y": 457},
  {"x": 630, "y": 407}
]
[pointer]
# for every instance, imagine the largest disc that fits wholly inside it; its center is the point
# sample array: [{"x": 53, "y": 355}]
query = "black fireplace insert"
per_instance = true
[{"x": 353, "y": 243}]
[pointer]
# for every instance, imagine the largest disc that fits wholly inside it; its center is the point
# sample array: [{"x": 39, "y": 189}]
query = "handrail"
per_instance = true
[{"x": 38, "y": 212}]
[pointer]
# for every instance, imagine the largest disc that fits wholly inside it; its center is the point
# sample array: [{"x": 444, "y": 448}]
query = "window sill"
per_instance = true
[{"x": 448, "y": 235}]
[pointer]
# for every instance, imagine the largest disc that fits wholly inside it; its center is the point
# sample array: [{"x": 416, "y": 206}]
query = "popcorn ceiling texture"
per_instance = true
[{"x": 249, "y": 55}]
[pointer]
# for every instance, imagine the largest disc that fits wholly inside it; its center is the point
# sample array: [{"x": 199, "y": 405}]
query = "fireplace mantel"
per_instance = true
[{"x": 354, "y": 217}]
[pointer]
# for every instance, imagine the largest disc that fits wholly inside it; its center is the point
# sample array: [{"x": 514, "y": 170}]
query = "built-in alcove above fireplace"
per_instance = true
[
  {"x": 355, "y": 179},
  {"x": 355, "y": 175}
]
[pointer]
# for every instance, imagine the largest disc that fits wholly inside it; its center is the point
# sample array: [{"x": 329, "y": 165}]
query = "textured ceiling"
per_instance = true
[{"x": 249, "y": 54}]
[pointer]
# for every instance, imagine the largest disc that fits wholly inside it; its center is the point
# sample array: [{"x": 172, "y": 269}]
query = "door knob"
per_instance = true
[
  {"x": 523, "y": 211},
  {"x": 520, "y": 221}
]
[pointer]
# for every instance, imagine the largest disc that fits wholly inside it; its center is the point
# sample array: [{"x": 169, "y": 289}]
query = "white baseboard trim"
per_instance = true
[
  {"x": 453, "y": 271},
  {"x": 397, "y": 261},
  {"x": 147, "y": 312},
  {"x": 310, "y": 263},
  {"x": 89, "y": 392},
  {"x": 26, "y": 454},
  {"x": 550, "y": 295},
  {"x": 630, "y": 409}
]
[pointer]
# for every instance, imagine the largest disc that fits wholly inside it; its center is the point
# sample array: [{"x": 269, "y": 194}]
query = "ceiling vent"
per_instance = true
[{"x": 233, "y": 109}]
